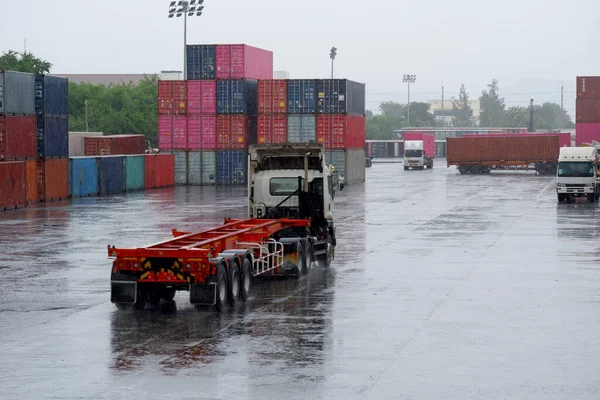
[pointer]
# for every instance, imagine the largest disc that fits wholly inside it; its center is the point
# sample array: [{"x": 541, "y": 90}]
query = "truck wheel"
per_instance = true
[
  {"x": 463, "y": 169},
  {"x": 221, "y": 287},
  {"x": 301, "y": 257},
  {"x": 406, "y": 168},
  {"x": 123, "y": 306},
  {"x": 308, "y": 255},
  {"x": 245, "y": 279},
  {"x": 169, "y": 294},
  {"x": 234, "y": 282},
  {"x": 475, "y": 169},
  {"x": 591, "y": 198},
  {"x": 325, "y": 261},
  {"x": 561, "y": 198}
]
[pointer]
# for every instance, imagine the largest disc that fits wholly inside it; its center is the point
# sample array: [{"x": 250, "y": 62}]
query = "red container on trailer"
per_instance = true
[
  {"x": 31, "y": 181},
  {"x": 428, "y": 141},
  {"x": 272, "y": 128},
  {"x": 585, "y": 132},
  {"x": 272, "y": 96},
  {"x": 202, "y": 132},
  {"x": 588, "y": 87},
  {"x": 201, "y": 97},
  {"x": 18, "y": 137},
  {"x": 53, "y": 179},
  {"x": 239, "y": 61},
  {"x": 564, "y": 138},
  {"x": 340, "y": 131},
  {"x": 13, "y": 187},
  {"x": 160, "y": 170},
  {"x": 233, "y": 132},
  {"x": 114, "y": 145},
  {"x": 172, "y": 97}
]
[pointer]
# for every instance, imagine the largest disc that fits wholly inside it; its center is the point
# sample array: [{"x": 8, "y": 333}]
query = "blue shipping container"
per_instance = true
[
  {"x": 231, "y": 167},
  {"x": 84, "y": 176},
  {"x": 301, "y": 96},
  {"x": 340, "y": 96},
  {"x": 52, "y": 137},
  {"x": 201, "y": 61},
  {"x": 111, "y": 175},
  {"x": 239, "y": 96},
  {"x": 51, "y": 95}
]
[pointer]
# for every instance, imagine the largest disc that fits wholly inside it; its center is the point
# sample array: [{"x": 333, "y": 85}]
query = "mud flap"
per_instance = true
[
  {"x": 123, "y": 291},
  {"x": 203, "y": 294}
]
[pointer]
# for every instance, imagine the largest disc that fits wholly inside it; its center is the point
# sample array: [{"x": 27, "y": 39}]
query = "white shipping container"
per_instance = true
[
  {"x": 337, "y": 158},
  {"x": 195, "y": 168},
  {"x": 209, "y": 167},
  {"x": 355, "y": 165},
  {"x": 170, "y": 76},
  {"x": 302, "y": 129},
  {"x": 180, "y": 167},
  {"x": 77, "y": 142}
]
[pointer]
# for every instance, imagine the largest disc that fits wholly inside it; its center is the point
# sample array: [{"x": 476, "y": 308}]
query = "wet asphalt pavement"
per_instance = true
[{"x": 443, "y": 287}]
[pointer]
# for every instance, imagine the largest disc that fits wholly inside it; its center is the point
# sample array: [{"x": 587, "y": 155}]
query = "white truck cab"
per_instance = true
[
  {"x": 577, "y": 174},
  {"x": 413, "y": 154}
]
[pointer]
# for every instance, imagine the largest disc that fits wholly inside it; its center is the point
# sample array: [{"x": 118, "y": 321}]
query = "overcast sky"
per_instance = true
[{"x": 530, "y": 46}]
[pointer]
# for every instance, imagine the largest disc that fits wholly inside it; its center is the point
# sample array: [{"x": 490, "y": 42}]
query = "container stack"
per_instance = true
[
  {"x": 208, "y": 120},
  {"x": 587, "y": 128}
]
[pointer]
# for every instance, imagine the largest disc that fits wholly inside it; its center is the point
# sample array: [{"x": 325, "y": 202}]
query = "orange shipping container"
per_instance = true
[
  {"x": 13, "y": 190},
  {"x": 53, "y": 179},
  {"x": 160, "y": 170},
  {"x": 505, "y": 149},
  {"x": 31, "y": 179}
]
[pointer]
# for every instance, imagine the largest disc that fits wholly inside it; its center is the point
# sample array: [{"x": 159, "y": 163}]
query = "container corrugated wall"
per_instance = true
[
  {"x": 51, "y": 96},
  {"x": 19, "y": 93},
  {"x": 337, "y": 158},
  {"x": 355, "y": 165},
  {"x": 237, "y": 97},
  {"x": 209, "y": 167},
  {"x": 135, "y": 173},
  {"x": 111, "y": 175},
  {"x": 18, "y": 137},
  {"x": 31, "y": 181},
  {"x": 194, "y": 168},
  {"x": 302, "y": 129},
  {"x": 84, "y": 176},
  {"x": 181, "y": 167},
  {"x": 301, "y": 96},
  {"x": 53, "y": 179},
  {"x": 13, "y": 190},
  {"x": 201, "y": 97},
  {"x": 231, "y": 167},
  {"x": 52, "y": 136},
  {"x": 160, "y": 170},
  {"x": 201, "y": 62},
  {"x": 340, "y": 96}
]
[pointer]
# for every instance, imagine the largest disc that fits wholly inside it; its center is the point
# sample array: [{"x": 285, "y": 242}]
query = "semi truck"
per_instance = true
[
  {"x": 419, "y": 150},
  {"x": 485, "y": 153},
  {"x": 289, "y": 228},
  {"x": 577, "y": 174}
]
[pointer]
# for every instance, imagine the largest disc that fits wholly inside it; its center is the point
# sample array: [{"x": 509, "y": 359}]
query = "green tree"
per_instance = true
[
  {"x": 24, "y": 62},
  {"x": 492, "y": 106},
  {"x": 420, "y": 115},
  {"x": 551, "y": 116},
  {"x": 392, "y": 109},
  {"x": 463, "y": 113},
  {"x": 515, "y": 117}
]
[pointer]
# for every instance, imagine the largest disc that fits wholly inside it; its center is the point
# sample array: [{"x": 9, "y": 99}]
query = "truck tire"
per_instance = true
[
  {"x": 463, "y": 169},
  {"x": 406, "y": 168},
  {"x": 233, "y": 286},
  {"x": 301, "y": 257},
  {"x": 221, "y": 287},
  {"x": 325, "y": 260},
  {"x": 245, "y": 279},
  {"x": 475, "y": 169},
  {"x": 308, "y": 255}
]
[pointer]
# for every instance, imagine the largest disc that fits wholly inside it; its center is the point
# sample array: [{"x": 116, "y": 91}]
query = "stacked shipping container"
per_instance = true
[{"x": 587, "y": 111}]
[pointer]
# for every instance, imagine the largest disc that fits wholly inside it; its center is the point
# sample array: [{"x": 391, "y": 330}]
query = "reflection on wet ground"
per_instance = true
[{"x": 443, "y": 286}]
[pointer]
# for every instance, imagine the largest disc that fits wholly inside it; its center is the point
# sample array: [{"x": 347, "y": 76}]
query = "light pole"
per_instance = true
[
  {"x": 409, "y": 79},
  {"x": 332, "y": 55},
  {"x": 187, "y": 8}
]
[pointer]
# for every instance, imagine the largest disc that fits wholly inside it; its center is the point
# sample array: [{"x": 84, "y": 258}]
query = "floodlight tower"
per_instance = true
[
  {"x": 187, "y": 8},
  {"x": 409, "y": 79}
]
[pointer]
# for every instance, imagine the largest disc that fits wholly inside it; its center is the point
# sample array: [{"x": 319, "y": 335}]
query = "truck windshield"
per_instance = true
[
  {"x": 575, "y": 169},
  {"x": 413, "y": 153},
  {"x": 283, "y": 186}
]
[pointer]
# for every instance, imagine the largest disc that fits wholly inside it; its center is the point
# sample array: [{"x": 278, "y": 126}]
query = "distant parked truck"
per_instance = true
[
  {"x": 577, "y": 174},
  {"x": 485, "y": 153},
  {"x": 419, "y": 150}
]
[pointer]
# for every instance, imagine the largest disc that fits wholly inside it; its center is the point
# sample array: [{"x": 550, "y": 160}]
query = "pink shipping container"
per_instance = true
[
  {"x": 172, "y": 132},
  {"x": 588, "y": 87},
  {"x": 201, "y": 97},
  {"x": 585, "y": 132},
  {"x": 239, "y": 61},
  {"x": 564, "y": 138},
  {"x": 428, "y": 141},
  {"x": 202, "y": 132}
]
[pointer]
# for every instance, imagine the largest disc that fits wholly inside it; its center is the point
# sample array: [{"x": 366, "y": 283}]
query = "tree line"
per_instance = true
[{"x": 493, "y": 113}]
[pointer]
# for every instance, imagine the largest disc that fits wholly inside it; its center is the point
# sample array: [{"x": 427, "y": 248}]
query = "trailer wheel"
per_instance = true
[
  {"x": 475, "y": 169},
  {"x": 308, "y": 254},
  {"x": 221, "y": 287},
  {"x": 234, "y": 281},
  {"x": 301, "y": 257},
  {"x": 325, "y": 261},
  {"x": 463, "y": 169},
  {"x": 169, "y": 294},
  {"x": 246, "y": 279}
]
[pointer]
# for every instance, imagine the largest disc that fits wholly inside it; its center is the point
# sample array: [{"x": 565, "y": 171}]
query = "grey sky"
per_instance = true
[{"x": 528, "y": 45}]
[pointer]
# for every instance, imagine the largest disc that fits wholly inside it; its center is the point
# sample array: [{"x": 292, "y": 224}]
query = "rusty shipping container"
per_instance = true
[
  {"x": 588, "y": 87},
  {"x": 115, "y": 145},
  {"x": 160, "y": 170},
  {"x": 31, "y": 181},
  {"x": 587, "y": 110},
  {"x": 53, "y": 179},
  {"x": 505, "y": 149},
  {"x": 13, "y": 187},
  {"x": 18, "y": 137}
]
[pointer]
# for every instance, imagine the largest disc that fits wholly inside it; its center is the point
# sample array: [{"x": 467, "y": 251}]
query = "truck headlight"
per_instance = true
[{"x": 560, "y": 184}]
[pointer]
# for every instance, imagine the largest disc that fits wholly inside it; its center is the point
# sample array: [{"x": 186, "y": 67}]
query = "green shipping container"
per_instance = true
[{"x": 135, "y": 178}]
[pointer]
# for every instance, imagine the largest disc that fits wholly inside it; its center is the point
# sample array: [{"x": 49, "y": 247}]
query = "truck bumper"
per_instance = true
[{"x": 575, "y": 191}]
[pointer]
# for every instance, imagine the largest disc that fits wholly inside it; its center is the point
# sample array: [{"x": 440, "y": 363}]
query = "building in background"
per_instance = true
[
  {"x": 170, "y": 76},
  {"x": 445, "y": 113},
  {"x": 281, "y": 75}
]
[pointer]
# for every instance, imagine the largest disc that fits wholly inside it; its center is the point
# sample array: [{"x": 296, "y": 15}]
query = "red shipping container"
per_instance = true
[
  {"x": 115, "y": 145},
  {"x": 272, "y": 96},
  {"x": 588, "y": 87},
  {"x": 587, "y": 110},
  {"x": 340, "y": 132},
  {"x": 586, "y": 132},
  {"x": 428, "y": 141},
  {"x": 18, "y": 137},
  {"x": 564, "y": 138},
  {"x": 172, "y": 97},
  {"x": 238, "y": 61},
  {"x": 53, "y": 179},
  {"x": 31, "y": 181},
  {"x": 233, "y": 132},
  {"x": 201, "y": 97},
  {"x": 202, "y": 132},
  {"x": 272, "y": 128},
  {"x": 13, "y": 187},
  {"x": 160, "y": 170}
]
